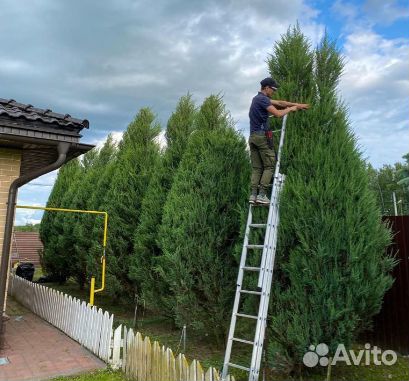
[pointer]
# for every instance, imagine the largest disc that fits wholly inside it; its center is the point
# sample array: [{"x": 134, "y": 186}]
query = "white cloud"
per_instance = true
[
  {"x": 84, "y": 107},
  {"x": 117, "y": 57},
  {"x": 27, "y": 216},
  {"x": 161, "y": 140},
  {"x": 376, "y": 87},
  {"x": 15, "y": 66},
  {"x": 371, "y": 12},
  {"x": 386, "y": 12},
  {"x": 345, "y": 10},
  {"x": 116, "y": 137}
]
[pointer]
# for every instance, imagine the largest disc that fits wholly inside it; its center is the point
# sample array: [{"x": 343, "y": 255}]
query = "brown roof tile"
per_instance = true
[{"x": 14, "y": 109}]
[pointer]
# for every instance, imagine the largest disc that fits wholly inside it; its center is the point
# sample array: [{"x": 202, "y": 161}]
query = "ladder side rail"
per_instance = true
[
  {"x": 266, "y": 292},
  {"x": 264, "y": 303},
  {"x": 237, "y": 297},
  {"x": 271, "y": 225},
  {"x": 276, "y": 174},
  {"x": 272, "y": 222},
  {"x": 280, "y": 146}
]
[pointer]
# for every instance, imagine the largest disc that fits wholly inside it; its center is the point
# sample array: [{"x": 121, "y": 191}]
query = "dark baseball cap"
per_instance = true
[{"x": 270, "y": 82}]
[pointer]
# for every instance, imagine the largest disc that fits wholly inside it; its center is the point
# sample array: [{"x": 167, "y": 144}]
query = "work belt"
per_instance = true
[{"x": 260, "y": 132}]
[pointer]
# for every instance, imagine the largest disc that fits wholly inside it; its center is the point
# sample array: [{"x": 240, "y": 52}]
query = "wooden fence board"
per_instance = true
[
  {"x": 390, "y": 325},
  {"x": 116, "y": 351},
  {"x": 124, "y": 346}
]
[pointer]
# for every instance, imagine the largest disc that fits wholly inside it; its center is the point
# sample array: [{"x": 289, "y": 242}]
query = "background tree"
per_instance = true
[
  {"x": 73, "y": 199},
  {"x": 384, "y": 182},
  {"x": 95, "y": 226},
  {"x": 28, "y": 227},
  {"x": 137, "y": 159},
  {"x": 201, "y": 223},
  {"x": 79, "y": 228},
  {"x": 53, "y": 258},
  {"x": 331, "y": 269},
  {"x": 403, "y": 173},
  {"x": 179, "y": 128}
]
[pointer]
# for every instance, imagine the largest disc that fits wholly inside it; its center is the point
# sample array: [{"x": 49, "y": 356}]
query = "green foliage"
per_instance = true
[
  {"x": 27, "y": 228},
  {"x": 54, "y": 258},
  {"x": 137, "y": 159},
  {"x": 86, "y": 229},
  {"x": 331, "y": 270},
  {"x": 383, "y": 183},
  {"x": 403, "y": 173},
  {"x": 201, "y": 223},
  {"x": 178, "y": 130}
]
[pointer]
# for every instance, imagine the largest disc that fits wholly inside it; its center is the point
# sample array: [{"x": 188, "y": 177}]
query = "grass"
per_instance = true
[
  {"x": 101, "y": 375},
  {"x": 208, "y": 353}
]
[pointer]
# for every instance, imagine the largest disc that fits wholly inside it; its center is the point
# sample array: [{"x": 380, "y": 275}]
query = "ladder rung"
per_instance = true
[
  {"x": 249, "y": 268},
  {"x": 258, "y": 225},
  {"x": 247, "y": 316},
  {"x": 243, "y": 341},
  {"x": 239, "y": 367},
  {"x": 255, "y": 246},
  {"x": 251, "y": 292}
]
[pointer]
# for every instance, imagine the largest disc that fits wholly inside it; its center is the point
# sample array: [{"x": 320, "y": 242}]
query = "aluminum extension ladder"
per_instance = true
[{"x": 265, "y": 276}]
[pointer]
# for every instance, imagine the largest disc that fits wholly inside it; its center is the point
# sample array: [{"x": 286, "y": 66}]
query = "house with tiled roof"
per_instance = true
[{"x": 33, "y": 142}]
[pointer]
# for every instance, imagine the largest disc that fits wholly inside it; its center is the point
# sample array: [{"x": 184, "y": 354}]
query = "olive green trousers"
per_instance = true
[{"x": 262, "y": 163}]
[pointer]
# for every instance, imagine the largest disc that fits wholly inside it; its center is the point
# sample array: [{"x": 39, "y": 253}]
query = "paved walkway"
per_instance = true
[{"x": 37, "y": 351}]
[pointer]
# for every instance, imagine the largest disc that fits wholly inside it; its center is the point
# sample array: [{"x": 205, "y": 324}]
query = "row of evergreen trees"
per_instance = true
[{"x": 176, "y": 217}]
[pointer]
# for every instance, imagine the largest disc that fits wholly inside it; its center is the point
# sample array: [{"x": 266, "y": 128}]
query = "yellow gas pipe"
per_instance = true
[{"x": 104, "y": 242}]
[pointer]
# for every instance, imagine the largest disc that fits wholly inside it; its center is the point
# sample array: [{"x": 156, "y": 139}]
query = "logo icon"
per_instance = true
[{"x": 316, "y": 355}]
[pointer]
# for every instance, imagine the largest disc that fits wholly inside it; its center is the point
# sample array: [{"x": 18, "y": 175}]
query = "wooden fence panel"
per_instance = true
[{"x": 390, "y": 326}]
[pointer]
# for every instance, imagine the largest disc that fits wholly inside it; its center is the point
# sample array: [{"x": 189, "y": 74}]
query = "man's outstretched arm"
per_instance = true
[{"x": 300, "y": 106}]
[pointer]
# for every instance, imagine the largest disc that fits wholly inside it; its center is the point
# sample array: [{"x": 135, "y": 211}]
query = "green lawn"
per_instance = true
[
  {"x": 209, "y": 354},
  {"x": 102, "y": 375}
]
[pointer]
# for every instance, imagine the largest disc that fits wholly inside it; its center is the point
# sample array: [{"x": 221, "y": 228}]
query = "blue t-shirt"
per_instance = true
[{"x": 258, "y": 113}]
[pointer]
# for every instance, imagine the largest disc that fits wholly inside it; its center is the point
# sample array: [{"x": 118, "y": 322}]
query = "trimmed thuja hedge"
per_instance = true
[{"x": 331, "y": 269}]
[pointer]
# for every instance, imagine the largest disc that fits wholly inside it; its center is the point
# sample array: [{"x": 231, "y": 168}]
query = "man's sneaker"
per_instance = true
[
  {"x": 252, "y": 199},
  {"x": 262, "y": 199}
]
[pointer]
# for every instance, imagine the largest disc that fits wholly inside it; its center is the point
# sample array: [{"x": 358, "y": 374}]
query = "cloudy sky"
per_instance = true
[{"x": 103, "y": 60}]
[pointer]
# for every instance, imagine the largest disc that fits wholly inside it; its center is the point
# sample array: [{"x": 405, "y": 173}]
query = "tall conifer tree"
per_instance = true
[
  {"x": 201, "y": 223},
  {"x": 137, "y": 159},
  {"x": 86, "y": 228},
  {"x": 331, "y": 269},
  {"x": 178, "y": 130},
  {"x": 54, "y": 260}
]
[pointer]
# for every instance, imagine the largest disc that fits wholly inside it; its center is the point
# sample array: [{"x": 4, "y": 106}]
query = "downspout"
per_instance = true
[{"x": 62, "y": 148}]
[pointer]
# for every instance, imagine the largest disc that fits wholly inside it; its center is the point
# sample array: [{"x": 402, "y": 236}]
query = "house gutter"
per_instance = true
[{"x": 62, "y": 148}]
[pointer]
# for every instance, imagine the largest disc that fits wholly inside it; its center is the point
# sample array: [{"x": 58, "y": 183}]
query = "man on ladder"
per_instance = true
[
  {"x": 262, "y": 159},
  {"x": 260, "y": 140}
]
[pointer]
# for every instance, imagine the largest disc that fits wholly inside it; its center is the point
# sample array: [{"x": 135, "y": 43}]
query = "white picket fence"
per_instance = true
[
  {"x": 88, "y": 325},
  {"x": 137, "y": 356}
]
